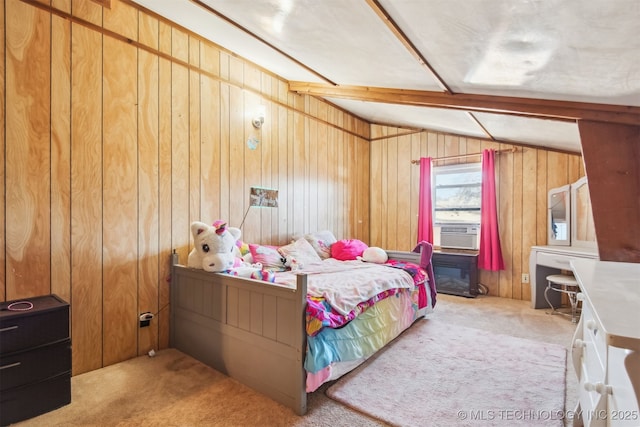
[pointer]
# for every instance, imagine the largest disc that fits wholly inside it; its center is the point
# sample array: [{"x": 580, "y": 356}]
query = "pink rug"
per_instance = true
[{"x": 436, "y": 374}]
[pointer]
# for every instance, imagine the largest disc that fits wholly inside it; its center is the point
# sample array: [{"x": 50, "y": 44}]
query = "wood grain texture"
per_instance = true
[
  {"x": 86, "y": 200},
  {"x": 119, "y": 201},
  {"x": 169, "y": 114},
  {"x": 61, "y": 160},
  {"x": 523, "y": 179},
  {"x": 165, "y": 200},
  {"x": 3, "y": 109},
  {"x": 28, "y": 155},
  {"x": 612, "y": 154},
  {"x": 148, "y": 197}
]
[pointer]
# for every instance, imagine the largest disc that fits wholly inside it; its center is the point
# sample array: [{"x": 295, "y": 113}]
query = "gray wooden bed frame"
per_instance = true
[{"x": 250, "y": 330}]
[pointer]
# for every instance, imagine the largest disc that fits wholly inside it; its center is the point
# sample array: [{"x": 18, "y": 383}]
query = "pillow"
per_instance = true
[
  {"x": 321, "y": 242},
  {"x": 301, "y": 251},
  {"x": 268, "y": 256},
  {"x": 345, "y": 250}
]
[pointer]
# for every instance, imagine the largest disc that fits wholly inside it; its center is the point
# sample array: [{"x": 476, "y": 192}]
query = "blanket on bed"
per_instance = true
[{"x": 339, "y": 291}]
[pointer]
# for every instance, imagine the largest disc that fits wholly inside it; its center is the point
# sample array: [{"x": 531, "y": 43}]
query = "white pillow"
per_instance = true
[
  {"x": 321, "y": 242},
  {"x": 301, "y": 251}
]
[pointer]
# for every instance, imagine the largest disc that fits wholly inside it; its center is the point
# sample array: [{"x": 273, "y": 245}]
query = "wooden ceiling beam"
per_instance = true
[
  {"x": 406, "y": 42},
  {"x": 528, "y": 107}
]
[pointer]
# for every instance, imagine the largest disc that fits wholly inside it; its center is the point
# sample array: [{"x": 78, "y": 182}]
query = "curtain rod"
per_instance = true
[{"x": 462, "y": 156}]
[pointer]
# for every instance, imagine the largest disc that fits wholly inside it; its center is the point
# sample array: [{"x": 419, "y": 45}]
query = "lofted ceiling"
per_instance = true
[{"x": 518, "y": 71}]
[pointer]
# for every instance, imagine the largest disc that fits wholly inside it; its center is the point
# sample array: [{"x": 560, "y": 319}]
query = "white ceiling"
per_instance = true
[{"x": 573, "y": 51}]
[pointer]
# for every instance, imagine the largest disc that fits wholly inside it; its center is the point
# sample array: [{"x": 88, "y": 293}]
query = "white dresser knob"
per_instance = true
[
  {"x": 580, "y": 296},
  {"x": 578, "y": 343},
  {"x": 591, "y": 324},
  {"x": 598, "y": 388}
]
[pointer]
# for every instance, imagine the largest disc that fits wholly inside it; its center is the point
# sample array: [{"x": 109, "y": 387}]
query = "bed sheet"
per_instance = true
[
  {"x": 339, "y": 291},
  {"x": 361, "y": 338}
]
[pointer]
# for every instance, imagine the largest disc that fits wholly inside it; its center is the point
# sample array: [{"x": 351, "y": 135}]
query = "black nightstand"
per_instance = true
[{"x": 35, "y": 357}]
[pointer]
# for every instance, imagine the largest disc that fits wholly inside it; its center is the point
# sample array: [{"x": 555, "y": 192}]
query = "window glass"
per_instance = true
[{"x": 457, "y": 194}]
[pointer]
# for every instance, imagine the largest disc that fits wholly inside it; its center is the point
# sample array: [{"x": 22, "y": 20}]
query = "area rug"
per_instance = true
[{"x": 436, "y": 374}]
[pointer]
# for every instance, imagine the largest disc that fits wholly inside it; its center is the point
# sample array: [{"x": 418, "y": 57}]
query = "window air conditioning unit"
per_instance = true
[{"x": 459, "y": 236}]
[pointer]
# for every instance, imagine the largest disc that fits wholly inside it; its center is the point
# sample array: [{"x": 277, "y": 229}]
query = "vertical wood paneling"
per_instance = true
[
  {"x": 522, "y": 179},
  {"x": 516, "y": 215},
  {"x": 195, "y": 146},
  {"x": 148, "y": 195},
  {"x": 61, "y": 159},
  {"x": 27, "y": 162},
  {"x": 267, "y": 216},
  {"x": 125, "y": 135},
  {"x": 210, "y": 145},
  {"x": 165, "y": 237},
  {"x": 86, "y": 199},
  {"x": 414, "y": 190},
  {"x": 323, "y": 181},
  {"x": 529, "y": 216},
  {"x": 119, "y": 201},
  {"x": 87, "y": 10},
  {"x": 238, "y": 195},
  {"x": 225, "y": 177},
  {"x": 251, "y": 172},
  {"x": 404, "y": 192},
  {"x": 313, "y": 143},
  {"x": 180, "y": 199},
  {"x": 3, "y": 104},
  {"x": 121, "y": 18},
  {"x": 300, "y": 170}
]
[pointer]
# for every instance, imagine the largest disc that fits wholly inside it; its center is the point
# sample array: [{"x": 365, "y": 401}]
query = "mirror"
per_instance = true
[
  {"x": 559, "y": 223},
  {"x": 583, "y": 232}
]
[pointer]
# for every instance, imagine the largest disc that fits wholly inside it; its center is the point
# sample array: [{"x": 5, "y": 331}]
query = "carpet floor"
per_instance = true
[
  {"x": 173, "y": 389},
  {"x": 444, "y": 375}
]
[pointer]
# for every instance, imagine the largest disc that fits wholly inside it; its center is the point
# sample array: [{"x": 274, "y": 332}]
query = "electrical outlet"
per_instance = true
[
  {"x": 525, "y": 278},
  {"x": 145, "y": 319}
]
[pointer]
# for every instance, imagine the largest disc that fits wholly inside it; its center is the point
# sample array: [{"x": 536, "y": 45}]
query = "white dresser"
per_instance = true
[{"x": 606, "y": 346}]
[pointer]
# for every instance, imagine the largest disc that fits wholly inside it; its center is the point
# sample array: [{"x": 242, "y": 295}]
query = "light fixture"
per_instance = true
[
  {"x": 262, "y": 198},
  {"x": 258, "y": 120}
]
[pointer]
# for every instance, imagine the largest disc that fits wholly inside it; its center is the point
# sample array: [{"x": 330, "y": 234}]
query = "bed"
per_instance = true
[{"x": 258, "y": 332}]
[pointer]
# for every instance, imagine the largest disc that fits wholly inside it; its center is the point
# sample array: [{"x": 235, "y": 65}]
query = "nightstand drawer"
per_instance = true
[
  {"x": 22, "y": 368},
  {"x": 20, "y": 403},
  {"x": 45, "y": 322}
]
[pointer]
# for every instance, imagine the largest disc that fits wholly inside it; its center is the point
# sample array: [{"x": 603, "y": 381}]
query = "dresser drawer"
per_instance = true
[
  {"x": 561, "y": 262},
  {"x": 24, "y": 402},
  {"x": 45, "y": 322},
  {"x": 593, "y": 335},
  {"x": 25, "y": 367}
]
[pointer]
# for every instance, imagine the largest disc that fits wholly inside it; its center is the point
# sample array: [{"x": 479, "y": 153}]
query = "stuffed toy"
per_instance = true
[
  {"x": 375, "y": 255},
  {"x": 215, "y": 247}
]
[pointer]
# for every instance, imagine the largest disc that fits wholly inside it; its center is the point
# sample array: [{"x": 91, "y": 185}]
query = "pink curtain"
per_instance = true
[
  {"x": 490, "y": 254},
  {"x": 425, "y": 219}
]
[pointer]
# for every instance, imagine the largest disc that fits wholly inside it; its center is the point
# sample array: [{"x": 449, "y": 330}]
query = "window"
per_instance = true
[{"x": 457, "y": 194}]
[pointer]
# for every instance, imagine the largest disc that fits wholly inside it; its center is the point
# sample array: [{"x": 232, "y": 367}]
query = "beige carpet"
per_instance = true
[
  {"x": 172, "y": 389},
  {"x": 453, "y": 375}
]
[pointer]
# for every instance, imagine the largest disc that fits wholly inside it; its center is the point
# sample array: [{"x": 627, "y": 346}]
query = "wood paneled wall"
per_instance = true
[
  {"x": 522, "y": 178},
  {"x": 119, "y": 130}
]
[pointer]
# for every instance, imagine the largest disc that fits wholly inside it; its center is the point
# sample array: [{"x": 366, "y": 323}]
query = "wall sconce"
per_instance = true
[{"x": 258, "y": 120}]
